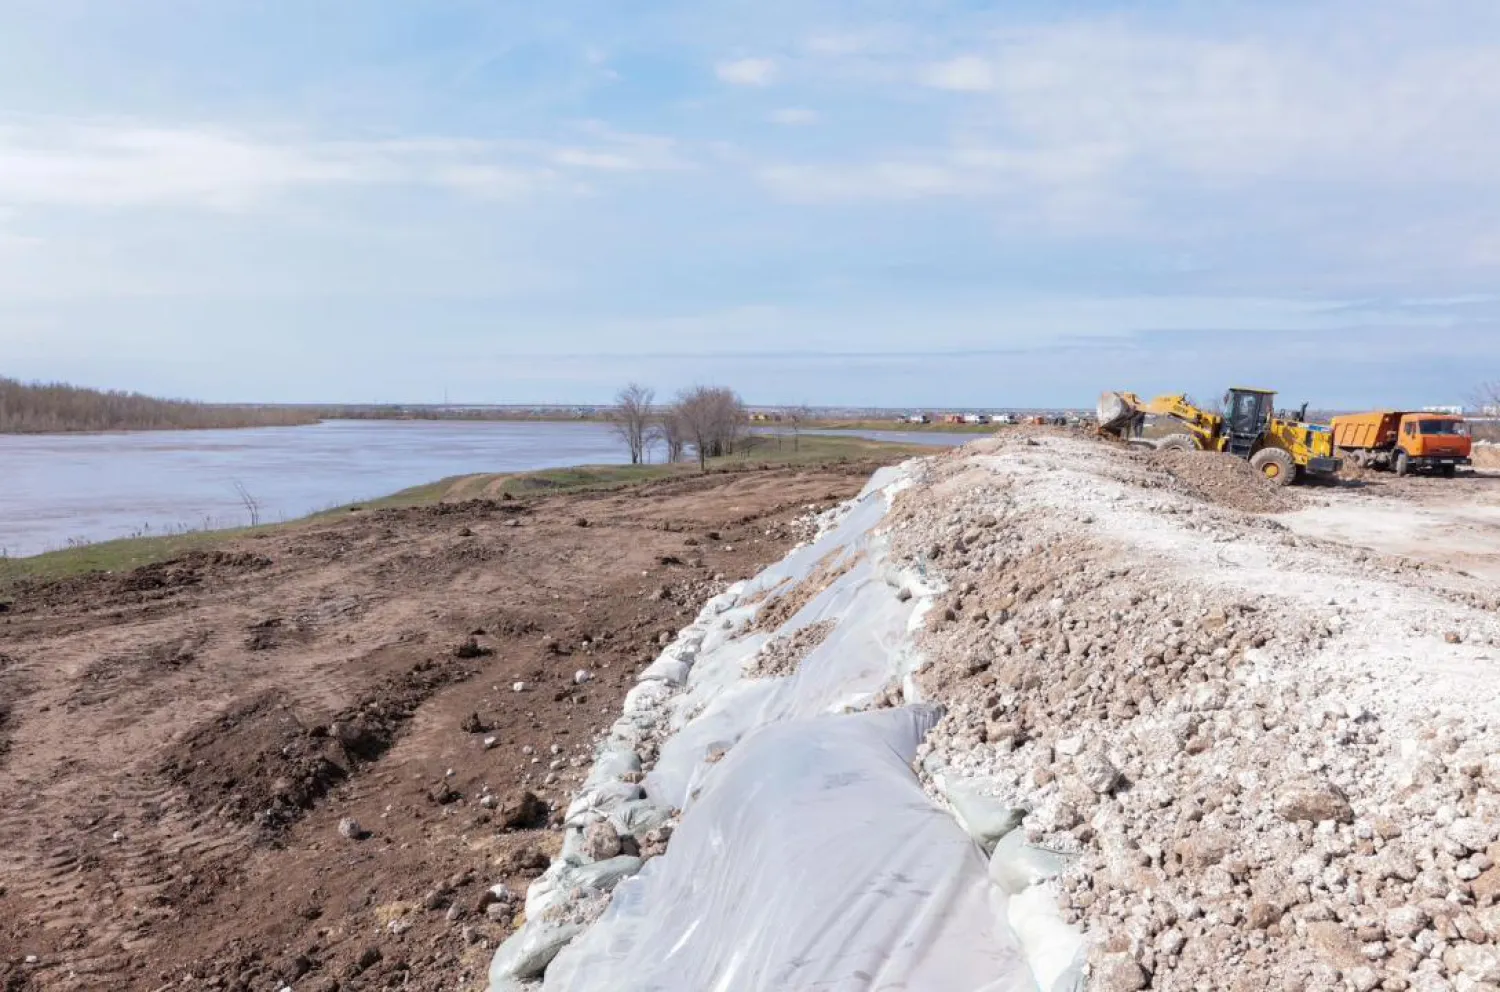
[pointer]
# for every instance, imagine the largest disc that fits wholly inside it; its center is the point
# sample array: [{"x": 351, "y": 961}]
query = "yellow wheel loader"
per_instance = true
[{"x": 1282, "y": 447}]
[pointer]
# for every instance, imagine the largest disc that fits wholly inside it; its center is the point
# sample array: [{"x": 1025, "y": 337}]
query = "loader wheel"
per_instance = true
[
  {"x": 1276, "y": 465},
  {"x": 1403, "y": 464},
  {"x": 1177, "y": 442}
]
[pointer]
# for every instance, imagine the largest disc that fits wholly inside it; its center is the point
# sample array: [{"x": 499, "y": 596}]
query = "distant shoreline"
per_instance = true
[{"x": 773, "y": 427}]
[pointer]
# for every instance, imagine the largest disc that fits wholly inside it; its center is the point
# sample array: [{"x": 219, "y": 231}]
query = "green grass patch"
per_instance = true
[{"x": 112, "y": 556}]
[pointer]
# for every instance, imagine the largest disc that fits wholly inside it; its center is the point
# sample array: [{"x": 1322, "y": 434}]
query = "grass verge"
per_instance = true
[{"x": 759, "y": 451}]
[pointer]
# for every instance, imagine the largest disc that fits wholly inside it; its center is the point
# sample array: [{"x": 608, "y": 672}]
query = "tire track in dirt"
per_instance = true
[{"x": 175, "y": 706}]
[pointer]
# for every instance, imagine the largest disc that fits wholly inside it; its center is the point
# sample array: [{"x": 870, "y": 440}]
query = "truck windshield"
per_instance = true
[{"x": 1442, "y": 427}]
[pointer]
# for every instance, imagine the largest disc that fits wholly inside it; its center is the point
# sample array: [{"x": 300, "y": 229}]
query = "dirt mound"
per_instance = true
[{"x": 1224, "y": 480}]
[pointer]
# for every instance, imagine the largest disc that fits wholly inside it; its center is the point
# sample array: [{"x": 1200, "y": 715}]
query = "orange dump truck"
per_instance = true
[{"x": 1404, "y": 442}]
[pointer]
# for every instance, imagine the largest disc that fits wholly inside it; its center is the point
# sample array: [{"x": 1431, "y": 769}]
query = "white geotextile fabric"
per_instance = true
[
  {"x": 868, "y": 648},
  {"x": 812, "y": 860},
  {"x": 809, "y": 857}
]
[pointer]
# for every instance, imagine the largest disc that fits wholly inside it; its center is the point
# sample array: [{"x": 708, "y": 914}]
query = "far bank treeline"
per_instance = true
[{"x": 45, "y": 408}]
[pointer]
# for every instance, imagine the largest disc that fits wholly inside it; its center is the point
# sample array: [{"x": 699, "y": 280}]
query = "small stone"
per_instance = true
[
  {"x": 600, "y": 841},
  {"x": 582, "y": 677},
  {"x": 518, "y": 687},
  {"x": 1097, "y": 773},
  {"x": 1315, "y": 802},
  {"x": 350, "y": 829},
  {"x": 1263, "y": 914},
  {"x": 523, "y": 811},
  {"x": 1406, "y": 922},
  {"x": 490, "y": 742},
  {"x": 1118, "y": 973},
  {"x": 1474, "y": 962},
  {"x": 1453, "y": 637},
  {"x": 1471, "y": 834},
  {"x": 1206, "y": 847}
]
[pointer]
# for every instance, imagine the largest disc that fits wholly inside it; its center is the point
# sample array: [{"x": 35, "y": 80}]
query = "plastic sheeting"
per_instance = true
[
  {"x": 809, "y": 857},
  {"x": 812, "y": 860},
  {"x": 868, "y": 649}
]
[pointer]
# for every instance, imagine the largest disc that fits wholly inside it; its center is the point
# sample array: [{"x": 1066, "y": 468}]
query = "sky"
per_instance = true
[{"x": 919, "y": 203}]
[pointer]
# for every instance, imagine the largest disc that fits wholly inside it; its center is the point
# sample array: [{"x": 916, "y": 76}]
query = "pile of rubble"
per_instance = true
[{"x": 1247, "y": 742}]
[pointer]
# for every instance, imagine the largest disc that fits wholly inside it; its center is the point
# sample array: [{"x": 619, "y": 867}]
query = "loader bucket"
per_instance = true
[{"x": 1115, "y": 411}]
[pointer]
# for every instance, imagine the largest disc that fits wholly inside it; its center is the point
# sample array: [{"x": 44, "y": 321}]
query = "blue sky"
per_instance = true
[{"x": 924, "y": 203}]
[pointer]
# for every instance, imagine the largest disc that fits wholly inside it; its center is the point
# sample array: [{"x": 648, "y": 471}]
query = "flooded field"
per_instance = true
[{"x": 62, "y": 488}]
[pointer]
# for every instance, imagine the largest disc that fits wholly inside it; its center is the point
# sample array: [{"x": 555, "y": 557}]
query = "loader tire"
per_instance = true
[
  {"x": 1276, "y": 465},
  {"x": 1177, "y": 442}
]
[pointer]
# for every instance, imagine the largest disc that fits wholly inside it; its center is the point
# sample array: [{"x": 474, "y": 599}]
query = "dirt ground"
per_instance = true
[
  {"x": 1454, "y": 523},
  {"x": 182, "y": 746}
]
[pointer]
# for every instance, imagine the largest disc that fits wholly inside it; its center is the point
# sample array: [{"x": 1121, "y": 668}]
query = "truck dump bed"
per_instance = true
[{"x": 1377, "y": 429}]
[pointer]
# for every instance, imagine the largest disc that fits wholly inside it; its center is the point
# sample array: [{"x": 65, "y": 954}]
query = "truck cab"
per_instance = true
[
  {"x": 1405, "y": 441},
  {"x": 1433, "y": 442}
]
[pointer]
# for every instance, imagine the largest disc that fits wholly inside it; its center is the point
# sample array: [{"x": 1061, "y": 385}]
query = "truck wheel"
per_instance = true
[
  {"x": 1449, "y": 471},
  {"x": 1177, "y": 442},
  {"x": 1403, "y": 464},
  {"x": 1276, "y": 465}
]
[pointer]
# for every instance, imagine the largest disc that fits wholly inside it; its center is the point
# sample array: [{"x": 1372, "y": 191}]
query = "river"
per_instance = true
[{"x": 57, "y": 489}]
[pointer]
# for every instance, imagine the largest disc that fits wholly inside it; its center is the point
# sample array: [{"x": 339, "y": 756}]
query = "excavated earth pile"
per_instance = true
[
  {"x": 1275, "y": 758},
  {"x": 1186, "y": 748}
]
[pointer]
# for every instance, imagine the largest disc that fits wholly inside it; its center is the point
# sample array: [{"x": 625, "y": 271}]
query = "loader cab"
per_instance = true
[{"x": 1247, "y": 415}]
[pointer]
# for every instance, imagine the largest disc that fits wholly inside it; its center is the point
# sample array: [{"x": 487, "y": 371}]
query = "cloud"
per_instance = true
[
  {"x": 747, "y": 72},
  {"x": 1263, "y": 106},
  {"x": 794, "y": 116},
  {"x": 966, "y": 73},
  {"x": 119, "y": 165},
  {"x": 853, "y": 182}
]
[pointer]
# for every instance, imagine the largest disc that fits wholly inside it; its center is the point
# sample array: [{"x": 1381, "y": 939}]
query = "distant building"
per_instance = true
[{"x": 1456, "y": 411}]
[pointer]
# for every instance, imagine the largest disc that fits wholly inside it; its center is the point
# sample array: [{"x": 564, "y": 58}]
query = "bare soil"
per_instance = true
[{"x": 179, "y": 744}]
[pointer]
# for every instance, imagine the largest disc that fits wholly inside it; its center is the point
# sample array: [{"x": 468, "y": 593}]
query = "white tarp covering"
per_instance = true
[
  {"x": 812, "y": 860},
  {"x": 809, "y": 857}
]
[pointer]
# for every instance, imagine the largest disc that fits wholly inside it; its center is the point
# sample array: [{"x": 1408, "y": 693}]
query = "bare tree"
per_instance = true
[
  {"x": 1486, "y": 399},
  {"x": 796, "y": 416},
  {"x": 632, "y": 419},
  {"x": 712, "y": 418},
  {"x": 250, "y": 503},
  {"x": 669, "y": 431}
]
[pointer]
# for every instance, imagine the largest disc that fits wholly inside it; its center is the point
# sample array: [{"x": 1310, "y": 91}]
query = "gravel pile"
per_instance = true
[{"x": 1275, "y": 760}]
